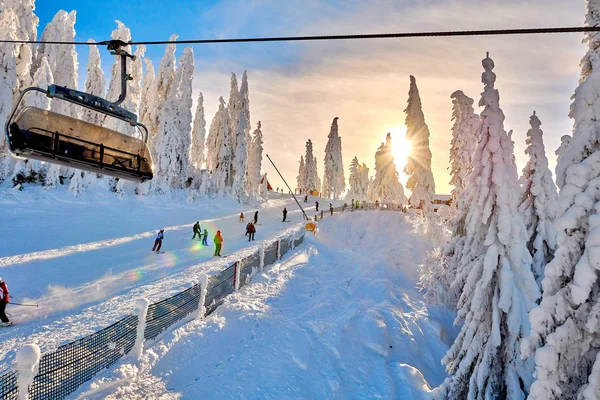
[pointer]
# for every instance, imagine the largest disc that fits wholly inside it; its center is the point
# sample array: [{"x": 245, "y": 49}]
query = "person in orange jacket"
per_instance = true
[
  {"x": 4, "y": 300},
  {"x": 218, "y": 239}
]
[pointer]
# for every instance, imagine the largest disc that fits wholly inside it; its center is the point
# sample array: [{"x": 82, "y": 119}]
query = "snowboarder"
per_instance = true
[
  {"x": 284, "y": 214},
  {"x": 218, "y": 239},
  {"x": 158, "y": 241},
  {"x": 241, "y": 217},
  {"x": 251, "y": 231},
  {"x": 330, "y": 209},
  {"x": 4, "y": 299},
  {"x": 197, "y": 231},
  {"x": 317, "y": 205},
  {"x": 205, "y": 238},
  {"x": 256, "y": 218}
]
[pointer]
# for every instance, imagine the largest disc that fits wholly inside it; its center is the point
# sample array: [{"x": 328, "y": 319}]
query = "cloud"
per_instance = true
[{"x": 297, "y": 93}]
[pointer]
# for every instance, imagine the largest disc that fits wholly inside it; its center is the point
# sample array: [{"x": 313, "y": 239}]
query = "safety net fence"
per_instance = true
[{"x": 62, "y": 371}]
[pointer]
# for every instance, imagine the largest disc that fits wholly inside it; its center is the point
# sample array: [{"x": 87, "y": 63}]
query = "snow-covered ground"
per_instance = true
[
  {"x": 339, "y": 317},
  {"x": 86, "y": 260}
]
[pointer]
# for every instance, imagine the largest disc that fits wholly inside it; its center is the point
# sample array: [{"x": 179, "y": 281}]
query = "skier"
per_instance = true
[
  {"x": 4, "y": 299},
  {"x": 251, "y": 231},
  {"x": 376, "y": 203},
  {"x": 317, "y": 205},
  {"x": 158, "y": 241},
  {"x": 241, "y": 217},
  {"x": 256, "y": 218},
  {"x": 330, "y": 209},
  {"x": 284, "y": 214},
  {"x": 205, "y": 238},
  {"x": 306, "y": 199},
  {"x": 248, "y": 228},
  {"x": 197, "y": 231},
  {"x": 218, "y": 239},
  {"x": 352, "y": 205}
]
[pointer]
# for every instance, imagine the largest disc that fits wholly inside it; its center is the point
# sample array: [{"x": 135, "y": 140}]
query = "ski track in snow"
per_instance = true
[
  {"x": 340, "y": 317},
  {"x": 85, "y": 287}
]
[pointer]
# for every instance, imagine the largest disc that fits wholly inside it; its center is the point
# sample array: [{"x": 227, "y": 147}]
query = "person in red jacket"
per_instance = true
[{"x": 4, "y": 299}]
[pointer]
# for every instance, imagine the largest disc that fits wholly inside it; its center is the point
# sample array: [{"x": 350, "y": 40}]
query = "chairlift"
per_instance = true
[{"x": 44, "y": 135}]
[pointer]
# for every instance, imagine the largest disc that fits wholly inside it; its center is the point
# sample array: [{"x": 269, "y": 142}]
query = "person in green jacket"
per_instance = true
[{"x": 218, "y": 243}]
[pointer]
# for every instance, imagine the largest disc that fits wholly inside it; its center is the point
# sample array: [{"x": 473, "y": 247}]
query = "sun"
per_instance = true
[{"x": 400, "y": 146}]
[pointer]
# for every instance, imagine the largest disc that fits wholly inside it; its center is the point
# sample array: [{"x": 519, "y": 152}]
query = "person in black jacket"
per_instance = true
[
  {"x": 284, "y": 214},
  {"x": 317, "y": 205},
  {"x": 251, "y": 231},
  {"x": 256, "y": 218},
  {"x": 197, "y": 231}
]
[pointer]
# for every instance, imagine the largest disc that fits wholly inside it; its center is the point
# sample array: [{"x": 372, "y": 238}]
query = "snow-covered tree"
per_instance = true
[
  {"x": 147, "y": 92},
  {"x": 386, "y": 187},
  {"x": 27, "y": 23},
  {"x": 198, "y": 135},
  {"x": 364, "y": 183},
  {"x": 539, "y": 204},
  {"x": 311, "y": 179},
  {"x": 565, "y": 327},
  {"x": 499, "y": 288},
  {"x": 418, "y": 163},
  {"x": 463, "y": 143},
  {"x": 174, "y": 134},
  {"x": 255, "y": 162},
  {"x": 162, "y": 86},
  {"x": 358, "y": 181},
  {"x": 244, "y": 104},
  {"x": 301, "y": 176},
  {"x": 220, "y": 154},
  {"x": 8, "y": 78},
  {"x": 334, "y": 182},
  {"x": 263, "y": 191},
  {"x": 239, "y": 127}
]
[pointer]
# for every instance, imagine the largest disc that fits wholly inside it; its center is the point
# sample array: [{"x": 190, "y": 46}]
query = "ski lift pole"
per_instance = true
[{"x": 288, "y": 186}]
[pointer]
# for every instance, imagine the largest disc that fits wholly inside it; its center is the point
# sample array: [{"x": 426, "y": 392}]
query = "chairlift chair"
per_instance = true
[{"x": 47, "y": 136}]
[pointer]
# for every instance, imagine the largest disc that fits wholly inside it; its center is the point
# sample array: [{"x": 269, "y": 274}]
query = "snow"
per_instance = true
[
  {"x": 140, "y": 310},
  {"x": 334, "y": 183},
  {"x": 328, "y": 321},
  {"x": 28, "y": 359}
]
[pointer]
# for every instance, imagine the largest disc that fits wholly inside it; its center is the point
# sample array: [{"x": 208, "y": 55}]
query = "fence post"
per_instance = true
[
  {"x": 28, "y": 362},
  {"x": 278, "y": 256},
  {"x": 236, "y": 276},
  {"x": 203, "y": 282},
  {"x": 262, "y": 256},
  {"x": 141, "y": 310},
  {"x": 293, "y": 236}
]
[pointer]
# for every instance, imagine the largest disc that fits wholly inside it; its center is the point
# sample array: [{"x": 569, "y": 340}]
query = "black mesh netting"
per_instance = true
[
  {"x": 219, "y": 286},
  {"x": 8, "y": 386},
  {"x": 271, "y": 253},
  {"x": 284, "y": 246},
  {"x": 252, "y": 262},
  {"x": 64, "y": 370},
  {"x": 298, "y": 241},
  {"x": 165, "y": 313}
]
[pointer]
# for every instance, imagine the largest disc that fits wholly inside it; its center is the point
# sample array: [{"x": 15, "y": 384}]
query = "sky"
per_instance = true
[{"x": 296, "y": 89}]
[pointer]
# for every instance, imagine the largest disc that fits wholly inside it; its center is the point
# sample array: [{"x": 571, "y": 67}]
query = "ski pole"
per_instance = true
[{"x": 24, "y": 305}]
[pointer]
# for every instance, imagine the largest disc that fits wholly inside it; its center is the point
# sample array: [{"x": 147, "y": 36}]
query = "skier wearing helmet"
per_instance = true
[{"x": 158, "y": 241}]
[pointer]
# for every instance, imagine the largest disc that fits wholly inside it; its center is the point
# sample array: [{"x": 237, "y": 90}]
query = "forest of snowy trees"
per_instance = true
[{"x": 227, "y": 162}]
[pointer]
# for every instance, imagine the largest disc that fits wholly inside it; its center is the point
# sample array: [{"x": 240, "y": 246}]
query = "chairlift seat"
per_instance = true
[{"x": 56, "y": 138}]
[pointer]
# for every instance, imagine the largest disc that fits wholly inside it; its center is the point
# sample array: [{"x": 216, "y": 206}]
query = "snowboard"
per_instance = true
[{"x": 159, "y": 252}]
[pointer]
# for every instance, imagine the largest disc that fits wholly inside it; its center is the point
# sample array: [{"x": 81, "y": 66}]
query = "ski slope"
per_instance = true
[
  {"x": 338, "y": 318},
  {"x": 85, "y": 261}
]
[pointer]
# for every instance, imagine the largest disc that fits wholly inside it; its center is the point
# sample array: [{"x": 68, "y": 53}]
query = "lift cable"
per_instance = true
[{"x": 489, "y": 32}]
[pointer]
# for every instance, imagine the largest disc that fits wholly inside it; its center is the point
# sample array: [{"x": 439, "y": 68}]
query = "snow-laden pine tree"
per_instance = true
[
  {"x": 353, "y": 180},
  {"x": 173, "y": 140},
  {"x": 499, "y": 289},
  {"x": 311, "y": 177},
  {"x": 162, "y": 86},
  {"x": 63, "y": 64},
  {"x": 334, "y": 182},
  {"x": 8, "y": 79},
  {"x": 463, "y": 143},
  {"x": 220, "y": 154},
  {"x": 245, "y": 105},
  {"x": 565, "y": 327},
  {"x": 95, "y": 84},
  {"x": 418, "y": 163},
  {"x": 539, "y": 203},
  {"x": 29, "y": 170},
  {"x": 255, "y": 162},
  {"x": 239, "y": 126},
  {"x": 147, "y": 99},
  {"x": 386, "y": 187},
  {"x": 27, "y": 23},
  {"x": 364, "y": 183},
  {"x": 198, "y": 136},
  {"x": 301, "y": 176}
]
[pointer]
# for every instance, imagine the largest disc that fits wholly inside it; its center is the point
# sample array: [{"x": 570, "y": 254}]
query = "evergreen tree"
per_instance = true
[
  {"x": 174, "y": 135},
  {"x": 364, "y": 184},
  {"x": 418, "y": 163},
  {"x": 301, "y": 176},
  {"x": 240, "y": 125},
  {"x": 198, "y": 135},
  {"x": 499, "y": 287},
  {"x": 539, "y": 204},
  {"x": 255, "y": 162},
  {"x": 220, "y": 154},
  {"x": 8, "y": 80},
  {"x": 147, "y": 93},
  {"x": 334, "y": 183},
  {"x": 311, "y": 178},
  {"x": 565, "y": 327},
  {"x": 26, "y": 30},
  {"x": 354, "y": 180},
  {"x": 386, "y": 186}
]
